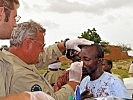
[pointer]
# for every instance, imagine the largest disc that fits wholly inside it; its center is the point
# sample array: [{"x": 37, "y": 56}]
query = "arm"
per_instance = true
[
  {"x": 53, "y": 52},
  {"x": 64, "y": 79},
  {"x": 61, "y": 46},
  {"x": 75, "y": 74},
  {"x": 21, "y": 96},
  {"x": 64, "y": 93},
  {"x": 49, "y": 55},
  {"x": 39, "y": 95},
  {"x": 73, "y": 84}
]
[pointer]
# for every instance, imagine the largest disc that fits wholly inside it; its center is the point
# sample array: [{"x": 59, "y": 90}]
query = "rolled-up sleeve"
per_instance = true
[
  {"x": 49, "y": 55},
  {"x": 63, "y": 93}
]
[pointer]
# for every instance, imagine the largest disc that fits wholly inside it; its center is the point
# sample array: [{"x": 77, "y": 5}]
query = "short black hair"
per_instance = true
[
  {"x": 109, "y": 62},
  {"x": 99, "y": 49}
]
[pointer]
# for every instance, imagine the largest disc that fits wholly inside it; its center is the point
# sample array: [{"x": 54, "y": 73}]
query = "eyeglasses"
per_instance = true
[
  {"x": 42, "y": 44},
  {"x": 17, "y": 18}
]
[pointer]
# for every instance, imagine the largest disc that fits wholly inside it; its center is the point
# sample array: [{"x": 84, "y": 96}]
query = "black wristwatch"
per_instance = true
[{"x": 65, "y": 41}]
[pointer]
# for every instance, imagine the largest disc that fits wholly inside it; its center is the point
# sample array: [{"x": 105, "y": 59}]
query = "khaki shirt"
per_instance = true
[
  {"x": 27, "y": 77},
  {"x": 52, "y": 76},
  {"x": 6, "y": 73},
  {"x": 49, "y": 56}
]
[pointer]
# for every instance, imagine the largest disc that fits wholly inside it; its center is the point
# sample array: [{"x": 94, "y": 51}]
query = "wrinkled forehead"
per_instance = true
[{"x": 88, "y": 51}]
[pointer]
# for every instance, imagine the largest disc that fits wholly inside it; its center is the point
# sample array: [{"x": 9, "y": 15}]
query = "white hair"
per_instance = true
[{"x": 23, "y": 30}]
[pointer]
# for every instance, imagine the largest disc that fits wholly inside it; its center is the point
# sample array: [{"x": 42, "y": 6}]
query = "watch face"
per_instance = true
[{"x": 73, "y": 55}]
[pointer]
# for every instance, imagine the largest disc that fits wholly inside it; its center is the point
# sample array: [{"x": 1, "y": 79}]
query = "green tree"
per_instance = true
[
  {"x": 104, "y": 45},
  {"x": 125, "y": 48},
  {"x": 91, "y": 35}
]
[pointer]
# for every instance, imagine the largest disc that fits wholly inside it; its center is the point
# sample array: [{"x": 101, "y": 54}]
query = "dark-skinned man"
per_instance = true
[{"x": 99, "y": 83}]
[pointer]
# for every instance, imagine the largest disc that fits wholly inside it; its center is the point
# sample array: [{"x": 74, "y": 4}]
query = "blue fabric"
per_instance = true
[
  {"x": 83, "y": 84},
  {"x": 77, "y": 93}
]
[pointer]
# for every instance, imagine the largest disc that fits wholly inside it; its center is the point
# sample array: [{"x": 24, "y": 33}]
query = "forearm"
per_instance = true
[
  {"x": 73, "y": 84},
  {"x": 61, "y": 46},
  {"x": 50, "y": 54},
  {"x": 21, "y": 96},
  {"x": 64, "y": 92}
]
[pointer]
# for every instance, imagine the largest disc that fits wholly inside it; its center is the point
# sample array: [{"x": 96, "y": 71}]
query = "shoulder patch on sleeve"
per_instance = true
[{"x": 36, "y": 87}]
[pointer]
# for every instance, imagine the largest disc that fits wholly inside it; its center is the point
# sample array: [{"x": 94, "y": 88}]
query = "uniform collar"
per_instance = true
[
  {"x": 14, "y": 59},
  {"x": 3, "y": 56}
]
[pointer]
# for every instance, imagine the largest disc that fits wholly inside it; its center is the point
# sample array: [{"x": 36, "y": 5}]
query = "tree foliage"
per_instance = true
[
  {"x": 93, "y": 36},
  {"x": 125, "y": 48},
  {"x": 104, "y": 45}
]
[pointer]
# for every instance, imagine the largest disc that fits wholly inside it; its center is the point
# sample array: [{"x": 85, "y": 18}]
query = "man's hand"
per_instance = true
[
  {"x": 86, "y": 94},
  {"x": 39, "y": 95},
  {"x": 75, "y": 71},
  {"x": 73, "y": 44},
  {"x": 73, "y": 75}
]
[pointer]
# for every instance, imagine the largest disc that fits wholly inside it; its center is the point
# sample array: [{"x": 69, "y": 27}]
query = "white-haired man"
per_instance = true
[{"x": 26, "y": 49}]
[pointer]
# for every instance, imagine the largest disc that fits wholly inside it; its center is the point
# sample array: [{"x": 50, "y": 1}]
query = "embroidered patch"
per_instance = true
[{"x": 36, "y": 87}]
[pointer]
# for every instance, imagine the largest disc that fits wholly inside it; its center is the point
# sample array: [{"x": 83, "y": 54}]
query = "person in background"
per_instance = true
[
  {"x": 26, "y": 49},
  {"x": 99, "y": 83},
  {"x": 53, "y": 72},
  {"x": 129, "y": 81},
  {"x": 107, "y": 65},
  {"x": 131, "y": 70},
  {"x": 8, "y": 19}
]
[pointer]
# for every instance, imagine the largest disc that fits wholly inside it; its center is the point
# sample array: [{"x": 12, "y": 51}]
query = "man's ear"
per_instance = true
[
  {"x": 1, "y": 12},
  {"x": 100, "y": 61}
]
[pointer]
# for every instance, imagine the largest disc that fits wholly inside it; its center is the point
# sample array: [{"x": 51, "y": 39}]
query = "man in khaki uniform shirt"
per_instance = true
[
  {"x": 53, "y": 72},
  {"x": 6, "y": 73},
  {"x": 26, "y": 44},
  {"x": 27, "y": 78},
  {"x": 7, "y": 22},
  {"x": 52, "y": 75}
]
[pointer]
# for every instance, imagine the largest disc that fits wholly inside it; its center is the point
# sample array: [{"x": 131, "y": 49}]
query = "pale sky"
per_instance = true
[{"x": 113, "y": 19}]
